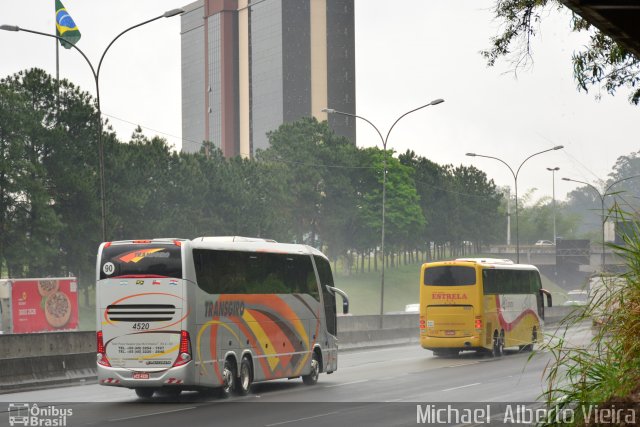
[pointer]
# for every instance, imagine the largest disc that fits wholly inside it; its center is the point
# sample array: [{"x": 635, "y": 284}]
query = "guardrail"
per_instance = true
[{"x": 39, "y": 360}]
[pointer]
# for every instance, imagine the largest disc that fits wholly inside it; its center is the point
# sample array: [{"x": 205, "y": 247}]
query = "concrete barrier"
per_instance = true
[
  {"x": 36, "y": 372},
  {"x": 553, "y": 315},
  {"x": 364, "y": 331},
  {"x": 36, "y": 360},
  {"x": 51, "y": 344}
]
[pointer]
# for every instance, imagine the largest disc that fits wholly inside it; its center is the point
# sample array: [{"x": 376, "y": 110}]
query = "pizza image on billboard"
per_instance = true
[
  {"x": 47, "y": 287},
  {"x": 57, "y": 309}
]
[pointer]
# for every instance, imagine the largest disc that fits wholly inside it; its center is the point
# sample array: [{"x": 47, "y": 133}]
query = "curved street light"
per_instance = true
[
  {"x": 515, "y": 179},
  {"x": 96, "y": 77},
  {"x": 602, "y": 196},
  {"x": 384, "y": 178}
]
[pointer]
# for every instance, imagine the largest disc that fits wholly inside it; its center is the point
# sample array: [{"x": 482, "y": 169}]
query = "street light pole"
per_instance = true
[
  {"x": 384, "y": 180},
  {"x": 602, "y": 196},
  {"x": 96, "y": 77},
  {"x": 553, "y": 184},
  {"x": 515, "y": 179}
]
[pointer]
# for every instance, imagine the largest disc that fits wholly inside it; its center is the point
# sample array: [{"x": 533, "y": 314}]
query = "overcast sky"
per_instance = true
[{"x": 408, "y": 52}]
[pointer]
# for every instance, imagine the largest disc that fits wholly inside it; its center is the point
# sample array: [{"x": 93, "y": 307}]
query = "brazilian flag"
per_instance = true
[{"x": 65, "y": 27}]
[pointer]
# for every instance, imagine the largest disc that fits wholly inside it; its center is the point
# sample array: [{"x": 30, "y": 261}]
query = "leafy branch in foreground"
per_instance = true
[
  {"x": 606, "y": 371},
  {"x": 602, "y": 63}
]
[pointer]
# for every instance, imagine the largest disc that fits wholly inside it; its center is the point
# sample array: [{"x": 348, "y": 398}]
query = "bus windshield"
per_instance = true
[
  {"x": 449, "y": 275},
  {"x": 141, "y": 259}
]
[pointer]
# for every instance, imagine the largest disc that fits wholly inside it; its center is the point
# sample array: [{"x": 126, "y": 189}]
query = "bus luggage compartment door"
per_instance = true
[{"x": 450, "y": 321}]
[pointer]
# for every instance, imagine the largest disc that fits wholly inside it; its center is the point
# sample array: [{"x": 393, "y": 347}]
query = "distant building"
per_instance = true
[{"x": 250, "y": 65}]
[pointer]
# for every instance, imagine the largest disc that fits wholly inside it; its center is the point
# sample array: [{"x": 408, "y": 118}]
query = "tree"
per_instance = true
[
  {"x": 624, "y": 180},
  {"x": 479, "y": 206},
  {"x": 602, "y": 62},
  {"x": 136, "y": 175},
  {"x": 32, "y": 231},
  {"x": 460, "y": 204},
  {"x": 536, "y": 219},
  {"x": 299, "y": 146},
  {"x": 341, "y": 199}
]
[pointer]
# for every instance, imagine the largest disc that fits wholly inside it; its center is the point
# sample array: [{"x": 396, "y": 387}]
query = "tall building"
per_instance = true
[{"x": 250, "y": 65}]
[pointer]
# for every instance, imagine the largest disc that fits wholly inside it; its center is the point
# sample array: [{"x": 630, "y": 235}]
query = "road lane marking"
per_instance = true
[
  {"x": 151, "y": 414},
  {"x": 302, "y": 419},
  {"x": 399, "y": 375},
  {"x": 392, "y": 400},
  {"x": 379, "y": 350},
  {"x": 462, "y": 386},
  {"x": 462, "y": 364},
  {"x": 352, "y": 382}
]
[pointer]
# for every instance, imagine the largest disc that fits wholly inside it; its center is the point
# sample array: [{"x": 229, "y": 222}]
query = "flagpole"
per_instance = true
[
  {"x": 57, "y": 73},
  {"x": 57, "y": 60}
]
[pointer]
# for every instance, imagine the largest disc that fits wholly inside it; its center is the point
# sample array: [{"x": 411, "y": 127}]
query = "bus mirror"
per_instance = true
[
  {"x": 548, "y": 294},
  {"x": 343, "y": 294}
]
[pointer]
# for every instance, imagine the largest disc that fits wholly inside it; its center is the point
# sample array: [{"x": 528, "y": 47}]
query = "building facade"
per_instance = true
[{"x": 250, "y": 65}]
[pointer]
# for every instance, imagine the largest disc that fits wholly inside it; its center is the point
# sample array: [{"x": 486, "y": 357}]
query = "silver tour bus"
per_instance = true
[{"x": 213, "y": 313}]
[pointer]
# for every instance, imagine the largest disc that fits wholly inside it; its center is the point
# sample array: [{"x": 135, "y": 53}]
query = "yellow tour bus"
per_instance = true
[{"x": 480, "y": 304}]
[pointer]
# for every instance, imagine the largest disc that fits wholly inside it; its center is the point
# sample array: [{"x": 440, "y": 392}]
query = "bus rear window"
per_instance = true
[
  {"x": 141, "y": 259},
  {"x": 449, "y": 276}
]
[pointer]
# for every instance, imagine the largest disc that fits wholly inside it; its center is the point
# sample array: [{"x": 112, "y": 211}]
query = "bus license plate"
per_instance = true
[
  {"x": 449, "y": 332},
  {"x": 140, "y": 376}
]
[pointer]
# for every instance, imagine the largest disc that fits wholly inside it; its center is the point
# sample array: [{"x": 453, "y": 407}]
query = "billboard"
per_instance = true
[
  {"x": 573, "y": 252},
  {"x": 44, "y": 305}
]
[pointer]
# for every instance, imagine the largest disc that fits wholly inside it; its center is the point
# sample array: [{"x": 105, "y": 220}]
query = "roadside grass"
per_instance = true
[{"x": 401, "y": 287}]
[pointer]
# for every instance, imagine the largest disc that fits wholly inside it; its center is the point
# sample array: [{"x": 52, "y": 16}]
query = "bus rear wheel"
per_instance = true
[
  {"x": 498, "y": 345},
  {"x": 144, "y": 392},
  {"x": 312, "y": 378},
  {"x": 228, "y": 379},
  {"x": 534, "y": 339},
  {"x": 243, "y": 385}
]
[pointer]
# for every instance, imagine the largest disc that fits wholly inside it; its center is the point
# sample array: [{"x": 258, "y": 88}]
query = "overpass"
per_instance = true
[{"x": 547, "y": 256}]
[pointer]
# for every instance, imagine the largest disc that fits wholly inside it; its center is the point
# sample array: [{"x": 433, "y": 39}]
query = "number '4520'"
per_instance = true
[{"x": 140, "y": 326}]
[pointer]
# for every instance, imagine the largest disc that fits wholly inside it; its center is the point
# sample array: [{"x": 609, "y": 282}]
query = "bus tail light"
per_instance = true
[
  {"x": 423, "y": 323},
  {"x": 184, "y": 355},
  {"x": 479, "y": 323},
  {"x": 102, "y": 355}
]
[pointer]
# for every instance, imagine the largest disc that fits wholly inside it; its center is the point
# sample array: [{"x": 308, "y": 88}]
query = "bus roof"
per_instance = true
[
  {"x": 233, "y": 243},
  {"x": 232, "y": 239},
  {"x": 488, "y": 262},
  {"x": 167, "y": 240},
  {"x": 501, "y": 261},
  {"x": 252, "y": 244}
]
